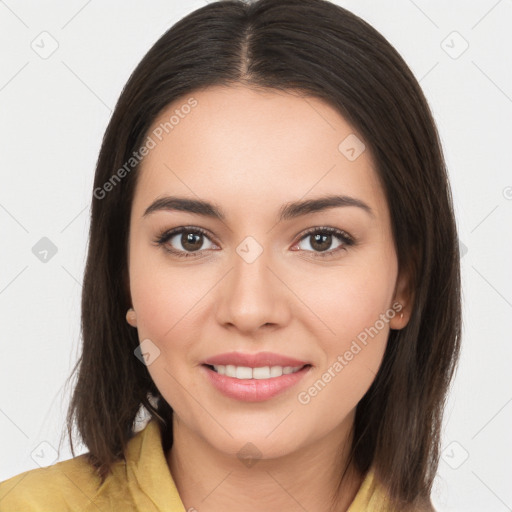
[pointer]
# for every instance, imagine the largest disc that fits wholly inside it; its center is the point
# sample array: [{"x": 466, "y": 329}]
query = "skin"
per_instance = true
[{"x": 250, "y": 152}]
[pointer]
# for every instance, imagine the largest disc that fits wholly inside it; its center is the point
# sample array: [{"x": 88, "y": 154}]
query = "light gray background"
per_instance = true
[{"x": 53, "y": 112}]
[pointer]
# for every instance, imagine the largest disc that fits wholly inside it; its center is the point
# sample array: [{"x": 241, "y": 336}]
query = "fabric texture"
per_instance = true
[{"x": 143, "y": 483}]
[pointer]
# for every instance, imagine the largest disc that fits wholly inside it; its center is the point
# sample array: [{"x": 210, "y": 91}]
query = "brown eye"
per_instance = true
[
  {"x": 191, "y": 241},
  {"x": 184, "y": 241},
  {"x": 321, "y": 240}
]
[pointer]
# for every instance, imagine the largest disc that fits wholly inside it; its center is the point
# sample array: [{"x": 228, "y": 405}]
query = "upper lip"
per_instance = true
[{"x": 253, "y": 360}]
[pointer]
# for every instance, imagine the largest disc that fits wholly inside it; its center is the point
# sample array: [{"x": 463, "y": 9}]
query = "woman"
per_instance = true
[{"x": 272, "y": 275}]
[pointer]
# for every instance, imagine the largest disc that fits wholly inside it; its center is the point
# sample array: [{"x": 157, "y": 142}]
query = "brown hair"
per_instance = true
[{"x": 320, "y": 49}]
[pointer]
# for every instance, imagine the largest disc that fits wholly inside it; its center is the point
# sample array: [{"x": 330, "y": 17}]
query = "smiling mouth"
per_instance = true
[{"x": 258, "y": 373}]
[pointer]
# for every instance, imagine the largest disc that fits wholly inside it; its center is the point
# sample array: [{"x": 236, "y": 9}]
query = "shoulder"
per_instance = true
[
  {"x": 140, "y": 481},
  {"x": 68, "y": 485},
  {"x": 374, "y": 497}
]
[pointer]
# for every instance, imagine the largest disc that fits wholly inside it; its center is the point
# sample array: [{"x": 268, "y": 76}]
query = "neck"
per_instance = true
[{"x": 308, "y": 479}]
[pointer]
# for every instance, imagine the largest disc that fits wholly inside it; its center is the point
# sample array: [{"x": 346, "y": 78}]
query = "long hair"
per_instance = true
[{"x": 323, "y": 50}]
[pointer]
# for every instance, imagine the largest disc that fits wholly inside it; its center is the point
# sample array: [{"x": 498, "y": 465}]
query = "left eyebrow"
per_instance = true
[{"x": 288, "y": 211}]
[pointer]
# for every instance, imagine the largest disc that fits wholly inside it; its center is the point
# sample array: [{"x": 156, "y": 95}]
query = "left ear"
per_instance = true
[{"x": 403, "y": 299}]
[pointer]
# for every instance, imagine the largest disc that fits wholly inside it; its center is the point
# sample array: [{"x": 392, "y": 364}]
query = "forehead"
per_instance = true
[{"x": 238, "y": 146}]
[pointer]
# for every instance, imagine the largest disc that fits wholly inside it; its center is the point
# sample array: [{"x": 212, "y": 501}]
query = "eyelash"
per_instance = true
[{"x": 346, "y": 239}]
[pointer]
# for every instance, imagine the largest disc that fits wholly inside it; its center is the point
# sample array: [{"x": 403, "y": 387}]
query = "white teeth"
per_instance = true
[
  {"x": 276, "y": 371},
  {"x": 262, "y": 372},
  {"x": 242, "y": 372}
]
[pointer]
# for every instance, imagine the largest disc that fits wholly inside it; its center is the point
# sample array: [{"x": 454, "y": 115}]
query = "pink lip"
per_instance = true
[
  {"x": 253, "y": 390},
  {"x": 253, "y": 360}
]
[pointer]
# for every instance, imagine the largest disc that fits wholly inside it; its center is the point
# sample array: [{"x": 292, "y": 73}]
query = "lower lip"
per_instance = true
[{"x": 253, "y": 390}]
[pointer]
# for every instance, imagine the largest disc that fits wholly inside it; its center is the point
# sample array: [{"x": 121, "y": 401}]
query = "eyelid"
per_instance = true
[{"x": 327, "y": 229}]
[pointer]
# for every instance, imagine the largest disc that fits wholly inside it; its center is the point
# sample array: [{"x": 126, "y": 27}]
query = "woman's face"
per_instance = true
[{"x": 254, "y": 281}]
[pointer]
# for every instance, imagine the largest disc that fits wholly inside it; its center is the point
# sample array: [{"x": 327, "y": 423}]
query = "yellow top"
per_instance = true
[{"x": 143, "y": 483}]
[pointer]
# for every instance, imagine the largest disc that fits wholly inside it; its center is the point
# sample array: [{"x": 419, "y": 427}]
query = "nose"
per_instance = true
[{"x": 252, "y": 295}]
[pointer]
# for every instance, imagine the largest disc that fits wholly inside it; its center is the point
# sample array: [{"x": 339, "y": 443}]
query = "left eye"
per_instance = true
[{"x": 191, "y": 239}]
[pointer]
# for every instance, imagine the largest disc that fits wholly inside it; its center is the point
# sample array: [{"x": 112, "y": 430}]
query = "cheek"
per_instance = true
[
  {"x": 346, "y": 301},
  {"x": 167, "y": 302},
  {"x": 352, "y": 310},
  {"x": 170, "y": 305},
  {"x": 161, "y": 294}
]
